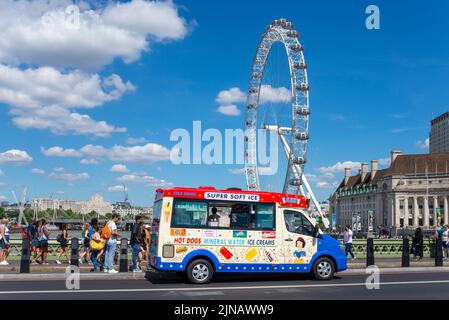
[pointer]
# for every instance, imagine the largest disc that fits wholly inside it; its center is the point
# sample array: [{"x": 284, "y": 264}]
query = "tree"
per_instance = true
[{"x": 2, "y": 213}]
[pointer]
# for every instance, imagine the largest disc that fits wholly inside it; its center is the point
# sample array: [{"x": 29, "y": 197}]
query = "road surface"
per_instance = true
[{"x": 416, "y": 285}]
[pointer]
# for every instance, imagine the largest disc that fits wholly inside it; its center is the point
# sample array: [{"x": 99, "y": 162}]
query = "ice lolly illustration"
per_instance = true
[
  {"x": 251, "y": 254},
  {"x": 226, "y": 253}
]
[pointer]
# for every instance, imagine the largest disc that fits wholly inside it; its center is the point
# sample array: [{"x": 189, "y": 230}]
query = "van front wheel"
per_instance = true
[
  {"x": 200, "y": 271},
  {"x": 323, "y": 269}
]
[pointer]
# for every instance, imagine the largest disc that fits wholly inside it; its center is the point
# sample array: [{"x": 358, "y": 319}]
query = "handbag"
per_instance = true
[{"x": 97, "y": 245}]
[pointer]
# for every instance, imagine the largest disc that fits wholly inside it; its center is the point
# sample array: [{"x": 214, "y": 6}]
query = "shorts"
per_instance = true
[
  {"x": 445, "y": 245},
  {"x": 43, "y": 245},
  {"x": 64, "y": 244},
  {"x": 86, "y": 243},
  {"x": 3, "y": 245}
]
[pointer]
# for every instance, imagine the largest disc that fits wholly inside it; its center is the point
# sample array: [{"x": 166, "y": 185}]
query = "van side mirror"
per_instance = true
[{"x": 316, "y": 231}]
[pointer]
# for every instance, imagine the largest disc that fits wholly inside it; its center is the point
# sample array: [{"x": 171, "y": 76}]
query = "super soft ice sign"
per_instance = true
[{"x": 231, "y": 196}]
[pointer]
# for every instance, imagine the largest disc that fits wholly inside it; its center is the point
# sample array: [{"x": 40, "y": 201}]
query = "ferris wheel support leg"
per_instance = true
[{"x": 305, "y": 182}]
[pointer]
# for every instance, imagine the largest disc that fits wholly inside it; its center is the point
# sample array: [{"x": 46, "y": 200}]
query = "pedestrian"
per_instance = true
[
  {"x": 110, "y": 235},
  {"x": 347, "y": 239},
  {"x": 96, "y": 246},
  {"x": 43, "y": 234},
  {"x": 146, "y": 240},
  {"x": 417, "y": 244},
  {"x": 136, "y": 242},
  {"x": 4, "y": 242},
  {"x": 85, "y": 255},
  {"x": 63, "y": 238},
  {"x": 445, "y": 241}
]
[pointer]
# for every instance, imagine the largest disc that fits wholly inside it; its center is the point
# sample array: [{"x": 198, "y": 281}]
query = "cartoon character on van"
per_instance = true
[{"x": 300, "y": 251}]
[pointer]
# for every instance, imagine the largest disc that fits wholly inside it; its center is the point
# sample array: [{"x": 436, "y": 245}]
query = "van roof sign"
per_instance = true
[{"x": 210, "y": 193}]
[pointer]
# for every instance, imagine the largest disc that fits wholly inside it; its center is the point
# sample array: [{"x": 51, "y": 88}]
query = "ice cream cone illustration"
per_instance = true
[{"x": 167, "y": 211}]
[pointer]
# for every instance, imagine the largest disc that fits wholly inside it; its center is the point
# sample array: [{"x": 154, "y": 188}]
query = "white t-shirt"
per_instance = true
[
  {"x": 112, "y": 226},
  {"x": 445, "y": 235},
  {"x": 347, "y": 236}
]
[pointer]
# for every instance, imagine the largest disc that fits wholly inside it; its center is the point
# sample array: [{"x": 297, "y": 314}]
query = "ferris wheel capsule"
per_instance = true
[
  {"x": 302, "y": 87},
  {"x": 292, "y": 34},
  {"x": 256, "y": 74},
  {"x": 296, "y": 47},
  {"x": 302, "y": 111},
  {"x": 302, "y": 136},
  {"x": 252, "y": 90},
  {"x": 295, "y": 182},
  {"x": 300, "y": 66},
  {"x": 251, "y": 106},
  {"x": 298, "y": 160}
]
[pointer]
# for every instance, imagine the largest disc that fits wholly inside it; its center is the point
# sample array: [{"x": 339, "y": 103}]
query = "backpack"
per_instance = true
[
  {"x": 59, "y": 238},
  {"x": 106, "y": 232}
]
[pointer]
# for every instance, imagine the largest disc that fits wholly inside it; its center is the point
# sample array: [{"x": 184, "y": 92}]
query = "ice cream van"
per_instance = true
[{"x": 202, "y": 231}]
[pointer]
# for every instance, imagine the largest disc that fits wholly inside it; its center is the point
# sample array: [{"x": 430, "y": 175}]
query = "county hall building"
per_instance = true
[{"x": 412, "y": 192}]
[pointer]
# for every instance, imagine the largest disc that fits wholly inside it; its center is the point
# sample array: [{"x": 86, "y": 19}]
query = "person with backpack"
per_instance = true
[
  {"x": 43, "y": 236},
  {"x": 4, "y": 242},
  {"x": 96, "y": 247},
  {"x": 136, "y": 242},
  {"x": 347, "y": 239},
  {"x": 110, "y": 235},
  {"x": 63, "y": 238}
]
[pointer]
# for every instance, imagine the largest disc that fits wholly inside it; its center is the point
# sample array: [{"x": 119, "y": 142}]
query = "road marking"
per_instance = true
[{"x": 328, "y": 285}]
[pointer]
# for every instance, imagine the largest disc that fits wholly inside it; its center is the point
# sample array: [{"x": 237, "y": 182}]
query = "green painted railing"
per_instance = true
[
  {"x": 388, "y": 248},
  {"x": 383, "y": 248}
]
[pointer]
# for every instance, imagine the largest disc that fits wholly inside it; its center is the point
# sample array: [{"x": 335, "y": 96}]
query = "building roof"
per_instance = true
[
  {"x": 404, "y": 164},
  {"x": 428, "y": 163}
]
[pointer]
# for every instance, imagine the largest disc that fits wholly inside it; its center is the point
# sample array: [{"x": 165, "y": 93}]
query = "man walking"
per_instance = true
[
  {"x": 347, "y": 239},
  {"x": 136, "y": 242},
  {"x": 110, "y": 234}
]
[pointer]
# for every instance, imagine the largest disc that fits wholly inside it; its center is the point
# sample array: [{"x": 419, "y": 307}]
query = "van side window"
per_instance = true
[
  {"x": 189, "y": 213},
  {"x": 296, "y": 222}
]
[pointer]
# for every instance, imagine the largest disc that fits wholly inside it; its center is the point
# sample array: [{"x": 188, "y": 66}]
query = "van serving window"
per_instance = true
[{"x": 223, "y": 215}]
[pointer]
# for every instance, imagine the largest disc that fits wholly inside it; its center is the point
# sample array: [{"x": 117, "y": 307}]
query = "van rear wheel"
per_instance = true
[
  {"x": 200, "y": 271},
  {"x": 323, "y": 269}
]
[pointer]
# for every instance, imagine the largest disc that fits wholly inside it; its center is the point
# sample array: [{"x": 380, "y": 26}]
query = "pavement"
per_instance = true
[
  {"x": 52, "y": 267},
  {"x": 393, "y": 284}
]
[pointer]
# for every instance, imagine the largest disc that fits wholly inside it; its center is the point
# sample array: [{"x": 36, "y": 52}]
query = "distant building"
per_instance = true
[
  {"x": 4, "y": 204},
  {"x": 412, "y": 192},
  {"x": 96, "y": 203},
  {"x": 126, "y": 209},
  {"x": 439, "y": 134}
]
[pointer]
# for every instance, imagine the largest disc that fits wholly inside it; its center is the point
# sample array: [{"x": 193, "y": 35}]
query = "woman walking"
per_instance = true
[
  {"x": 418, "y": 244},
  {"x": 4, "y": 242},
  {"x": 96, "y": 246},
  {"x": 63, "y": 244},
  {"x": 347, "y": 239},
  {"x": 44, "y": 234}
]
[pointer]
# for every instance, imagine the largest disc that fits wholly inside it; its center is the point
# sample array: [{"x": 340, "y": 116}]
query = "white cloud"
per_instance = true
[
  {"x": 2, "y": 184},
  {"x": 2, "y": 198},
  {"x": 38, "y": 32},
  {"x": 89, "y": 161},
  {"x": 1, "y": 173},
  {"x": 44, "y": 98},
  {"x": 119, "y": 168},
  {"x": 59, "y": 192},
  {"x": 423, "y": 145},
  {"x": 143, "y": 179},
  {"x": 15, "y": 157},
  {"x": 229, "y": 110},
  {"x": 47, "y": 61},
  {"x": 69, "y": 176},
  {"x": 59, "y": 169},
  {"x": 147, "y": 153},
  {"x": 227, "y": 99},
  {"x": 57, "y": 151},
  {"x": 338, "y": 167},
  {"x": 118, "y": 188},
  {"x": 233, "y": 95},
  {"x": 384, "y": 161},
  {"x": 268, "y": 94},
  {"x": 131, "y": 140},
  {"x": 37, "y": 171}
]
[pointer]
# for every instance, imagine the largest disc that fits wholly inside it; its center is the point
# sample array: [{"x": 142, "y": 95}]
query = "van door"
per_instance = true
[{"x": 299, "y": 245}]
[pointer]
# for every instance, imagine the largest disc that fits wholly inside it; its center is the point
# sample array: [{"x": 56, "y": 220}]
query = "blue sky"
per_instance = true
[{"x": 372, "y": 91}]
